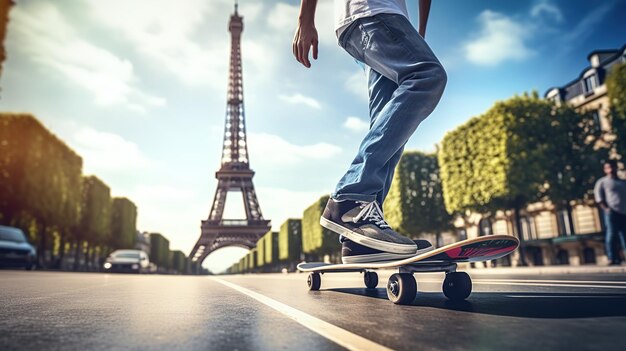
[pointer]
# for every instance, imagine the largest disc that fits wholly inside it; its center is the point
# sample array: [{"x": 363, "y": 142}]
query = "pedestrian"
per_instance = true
[
  {"x": 405, "y": 83},
  {"x": 610, "y": 194}
]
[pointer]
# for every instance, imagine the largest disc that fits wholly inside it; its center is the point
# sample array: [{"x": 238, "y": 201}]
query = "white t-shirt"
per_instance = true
[{"x": 346, "y": 11}]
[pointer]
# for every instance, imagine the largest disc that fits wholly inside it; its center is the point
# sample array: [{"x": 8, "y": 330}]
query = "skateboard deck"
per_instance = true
[
  {"x": 483, "y": 248},
  {"x": 402, "y": 287}
]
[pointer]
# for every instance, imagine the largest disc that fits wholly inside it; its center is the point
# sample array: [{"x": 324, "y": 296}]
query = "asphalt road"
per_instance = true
[{"x": 80, "y": 311}]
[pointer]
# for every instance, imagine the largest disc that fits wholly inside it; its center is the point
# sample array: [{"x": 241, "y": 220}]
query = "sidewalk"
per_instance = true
[{"x": 541, "y": 270}]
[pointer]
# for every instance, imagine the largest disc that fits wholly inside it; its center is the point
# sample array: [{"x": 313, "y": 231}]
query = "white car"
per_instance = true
[{"x": 127, "y": 261}]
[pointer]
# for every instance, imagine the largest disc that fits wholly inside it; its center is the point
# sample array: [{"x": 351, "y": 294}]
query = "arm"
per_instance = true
[
  {"x": 599, "y": 195},
  {"x": 306, "y": 34},
  {"x": 423, "y": 12}
]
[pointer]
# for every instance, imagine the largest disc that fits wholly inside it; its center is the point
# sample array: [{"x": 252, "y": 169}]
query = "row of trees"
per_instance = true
[
  {"x": 522, "y": 150},
  {"x": 43, "y": 192}
]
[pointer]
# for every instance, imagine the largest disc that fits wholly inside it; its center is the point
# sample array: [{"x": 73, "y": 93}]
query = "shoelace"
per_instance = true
[{"x": 371, "y": 211}]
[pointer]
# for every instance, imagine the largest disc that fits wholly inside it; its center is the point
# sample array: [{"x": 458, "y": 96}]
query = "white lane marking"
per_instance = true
[
  {"x": 548, "y": 284},
  {"x": 538, "y": 283},
  {"x": 567, "y": 296},
  {"x": 555, "y": 281},
  {"x": 331, "y": 332}
]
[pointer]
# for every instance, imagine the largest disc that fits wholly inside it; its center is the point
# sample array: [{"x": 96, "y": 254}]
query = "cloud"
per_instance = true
[
  {"x": 501, "y": 39},
  {"x": 299, "y": 99},
  {"x": 546, "y": 8},
  {"x": 357, "y": 84},
  {"x": 283, "y": 19},
  {"x": 48, "y": 39},
  {"x": 272, "y": 150},
  {"x": 356, "y": 124},
  {"x": 102, "y": 152}
]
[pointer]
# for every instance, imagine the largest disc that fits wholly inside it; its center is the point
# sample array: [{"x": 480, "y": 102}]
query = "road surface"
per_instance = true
[{"x": 78, "y": 311}]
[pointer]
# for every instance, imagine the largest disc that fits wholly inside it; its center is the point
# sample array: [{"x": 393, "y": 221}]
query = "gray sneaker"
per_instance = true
[{"x": 363, "y": 223}]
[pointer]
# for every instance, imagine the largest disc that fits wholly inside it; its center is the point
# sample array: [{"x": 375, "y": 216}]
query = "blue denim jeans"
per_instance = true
[
  {"x": 405, "y": 82},
  {"x": 615, "y": 224}
]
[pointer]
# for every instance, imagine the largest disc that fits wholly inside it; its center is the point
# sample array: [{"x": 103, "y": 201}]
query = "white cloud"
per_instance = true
[
  {"x": 357, "y": 84},
  {"x": 299, "y": 99},
  {"x": 49, "y": 40},
  {"x": 272, "y": 150},
  {"x": 161, "y": 31},
  {"x": 501, "y": 39},
  {"x": 283, "y": 18},
  {"x": 103, "y": 152},
  {"x": 356, "y": 124},
  {"x": 544, "y": 7}
]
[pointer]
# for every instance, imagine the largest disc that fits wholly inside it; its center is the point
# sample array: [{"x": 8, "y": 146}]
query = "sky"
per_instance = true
[{"x": 138, "y": 89}]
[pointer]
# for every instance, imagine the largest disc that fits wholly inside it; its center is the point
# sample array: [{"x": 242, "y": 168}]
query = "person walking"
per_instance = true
[
  {"x": 610, "y": 194},
  {"x": 405, "y": 83}
]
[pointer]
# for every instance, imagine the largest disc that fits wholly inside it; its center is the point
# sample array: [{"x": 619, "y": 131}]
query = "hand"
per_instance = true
[{"x": 303, "y": 40}]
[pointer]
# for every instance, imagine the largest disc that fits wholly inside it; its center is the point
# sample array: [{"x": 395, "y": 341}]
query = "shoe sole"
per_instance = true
[
  {"x": 367, "y": 241},
  {"x": 381, "y": 257}
]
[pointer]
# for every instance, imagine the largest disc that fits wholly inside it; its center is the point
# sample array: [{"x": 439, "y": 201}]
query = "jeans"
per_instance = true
[
  {"x": 615, "y": 224},
  {"x": 405, "y": 82}
]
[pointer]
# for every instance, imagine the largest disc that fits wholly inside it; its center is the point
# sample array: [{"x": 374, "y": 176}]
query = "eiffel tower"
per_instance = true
[{"x": 235, "y": 173}]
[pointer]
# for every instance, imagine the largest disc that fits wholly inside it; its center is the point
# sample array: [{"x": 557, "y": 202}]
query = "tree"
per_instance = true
[
  {"x": 415, "y": 203},
  {"x": 160, "y": 251},
  {"x": 271, "y": 247},
  {"x": 123, "y": 223},
  {"x": 290, "y": 240},
  {"x": 576, "y": 155},
  {"x": 40, "y": 179},
  {"x": 498, "y": 160},
  {"x": 317, "y": 240},
  {"x": 95, "y": 222},
  {"x": 616, "y": 88}
]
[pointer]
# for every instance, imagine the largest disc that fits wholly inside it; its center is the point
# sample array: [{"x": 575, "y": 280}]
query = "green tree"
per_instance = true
[
  {"x": 415, "y": 203},
  {"x": 178, "y": 261},
  {"x": 576, "y": 152},
  {"x": 260, "y": 252},
  {"x": 40, "y": 180},
  {"x": 616, "y": 88},
  {"x": 498, "y": 160},
  {"x": 123, "y": 223},
  {"x": 160, "y": 251},
  {"x": 271, "y": 247},
  {"x": 290, "y": 240},
  {"x": 95, "y": 222},
  {"x": 317, "y": 240}
]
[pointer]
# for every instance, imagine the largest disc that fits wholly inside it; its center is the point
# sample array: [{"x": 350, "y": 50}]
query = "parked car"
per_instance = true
[
  {"x": 15, "y": 251},
  {"x": 127, "y": 261}
]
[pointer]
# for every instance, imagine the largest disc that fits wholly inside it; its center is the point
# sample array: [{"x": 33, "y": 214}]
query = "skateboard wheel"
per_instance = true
[
  {"x": 457, "y": 286},
  {"x": 370, "y": 279},
  {"x": 314, "y": 281},
  {"x": 401, "y": 288}
]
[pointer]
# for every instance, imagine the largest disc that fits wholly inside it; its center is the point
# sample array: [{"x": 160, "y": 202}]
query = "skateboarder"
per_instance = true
[
  {"x": 610, "y": 194},
  {"x": 405, "y": 81}
]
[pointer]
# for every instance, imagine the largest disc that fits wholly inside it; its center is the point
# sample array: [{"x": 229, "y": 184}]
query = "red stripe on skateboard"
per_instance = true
[{"x": 460, "y": 252}]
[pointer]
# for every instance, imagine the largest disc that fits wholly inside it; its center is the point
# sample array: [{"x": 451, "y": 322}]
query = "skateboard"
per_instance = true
[{"x": 402, "y": 287}]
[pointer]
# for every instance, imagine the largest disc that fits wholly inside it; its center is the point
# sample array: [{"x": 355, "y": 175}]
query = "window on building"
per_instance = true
[
  {"x": 596, "y": 119},
  {"x": 484, "y": 227},
  {"x": 589, "y": 83},
  {"x": 589, "y": 255},
  {"x": 528, "y": 228},
  {"x": 562, "y": 257},
  {"x": 563, "y": 223},
  {"x": 462, "y": 234}
]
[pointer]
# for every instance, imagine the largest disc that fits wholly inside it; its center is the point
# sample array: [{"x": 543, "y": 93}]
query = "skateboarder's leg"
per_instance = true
[
  {"x": 381, "y": 89},
  {"x": 391, "y": 46},
  {"x": 610, "y": 236}
]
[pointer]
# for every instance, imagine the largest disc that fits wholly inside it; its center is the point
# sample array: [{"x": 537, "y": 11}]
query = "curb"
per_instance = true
[{"x": 551, "y": 270}]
